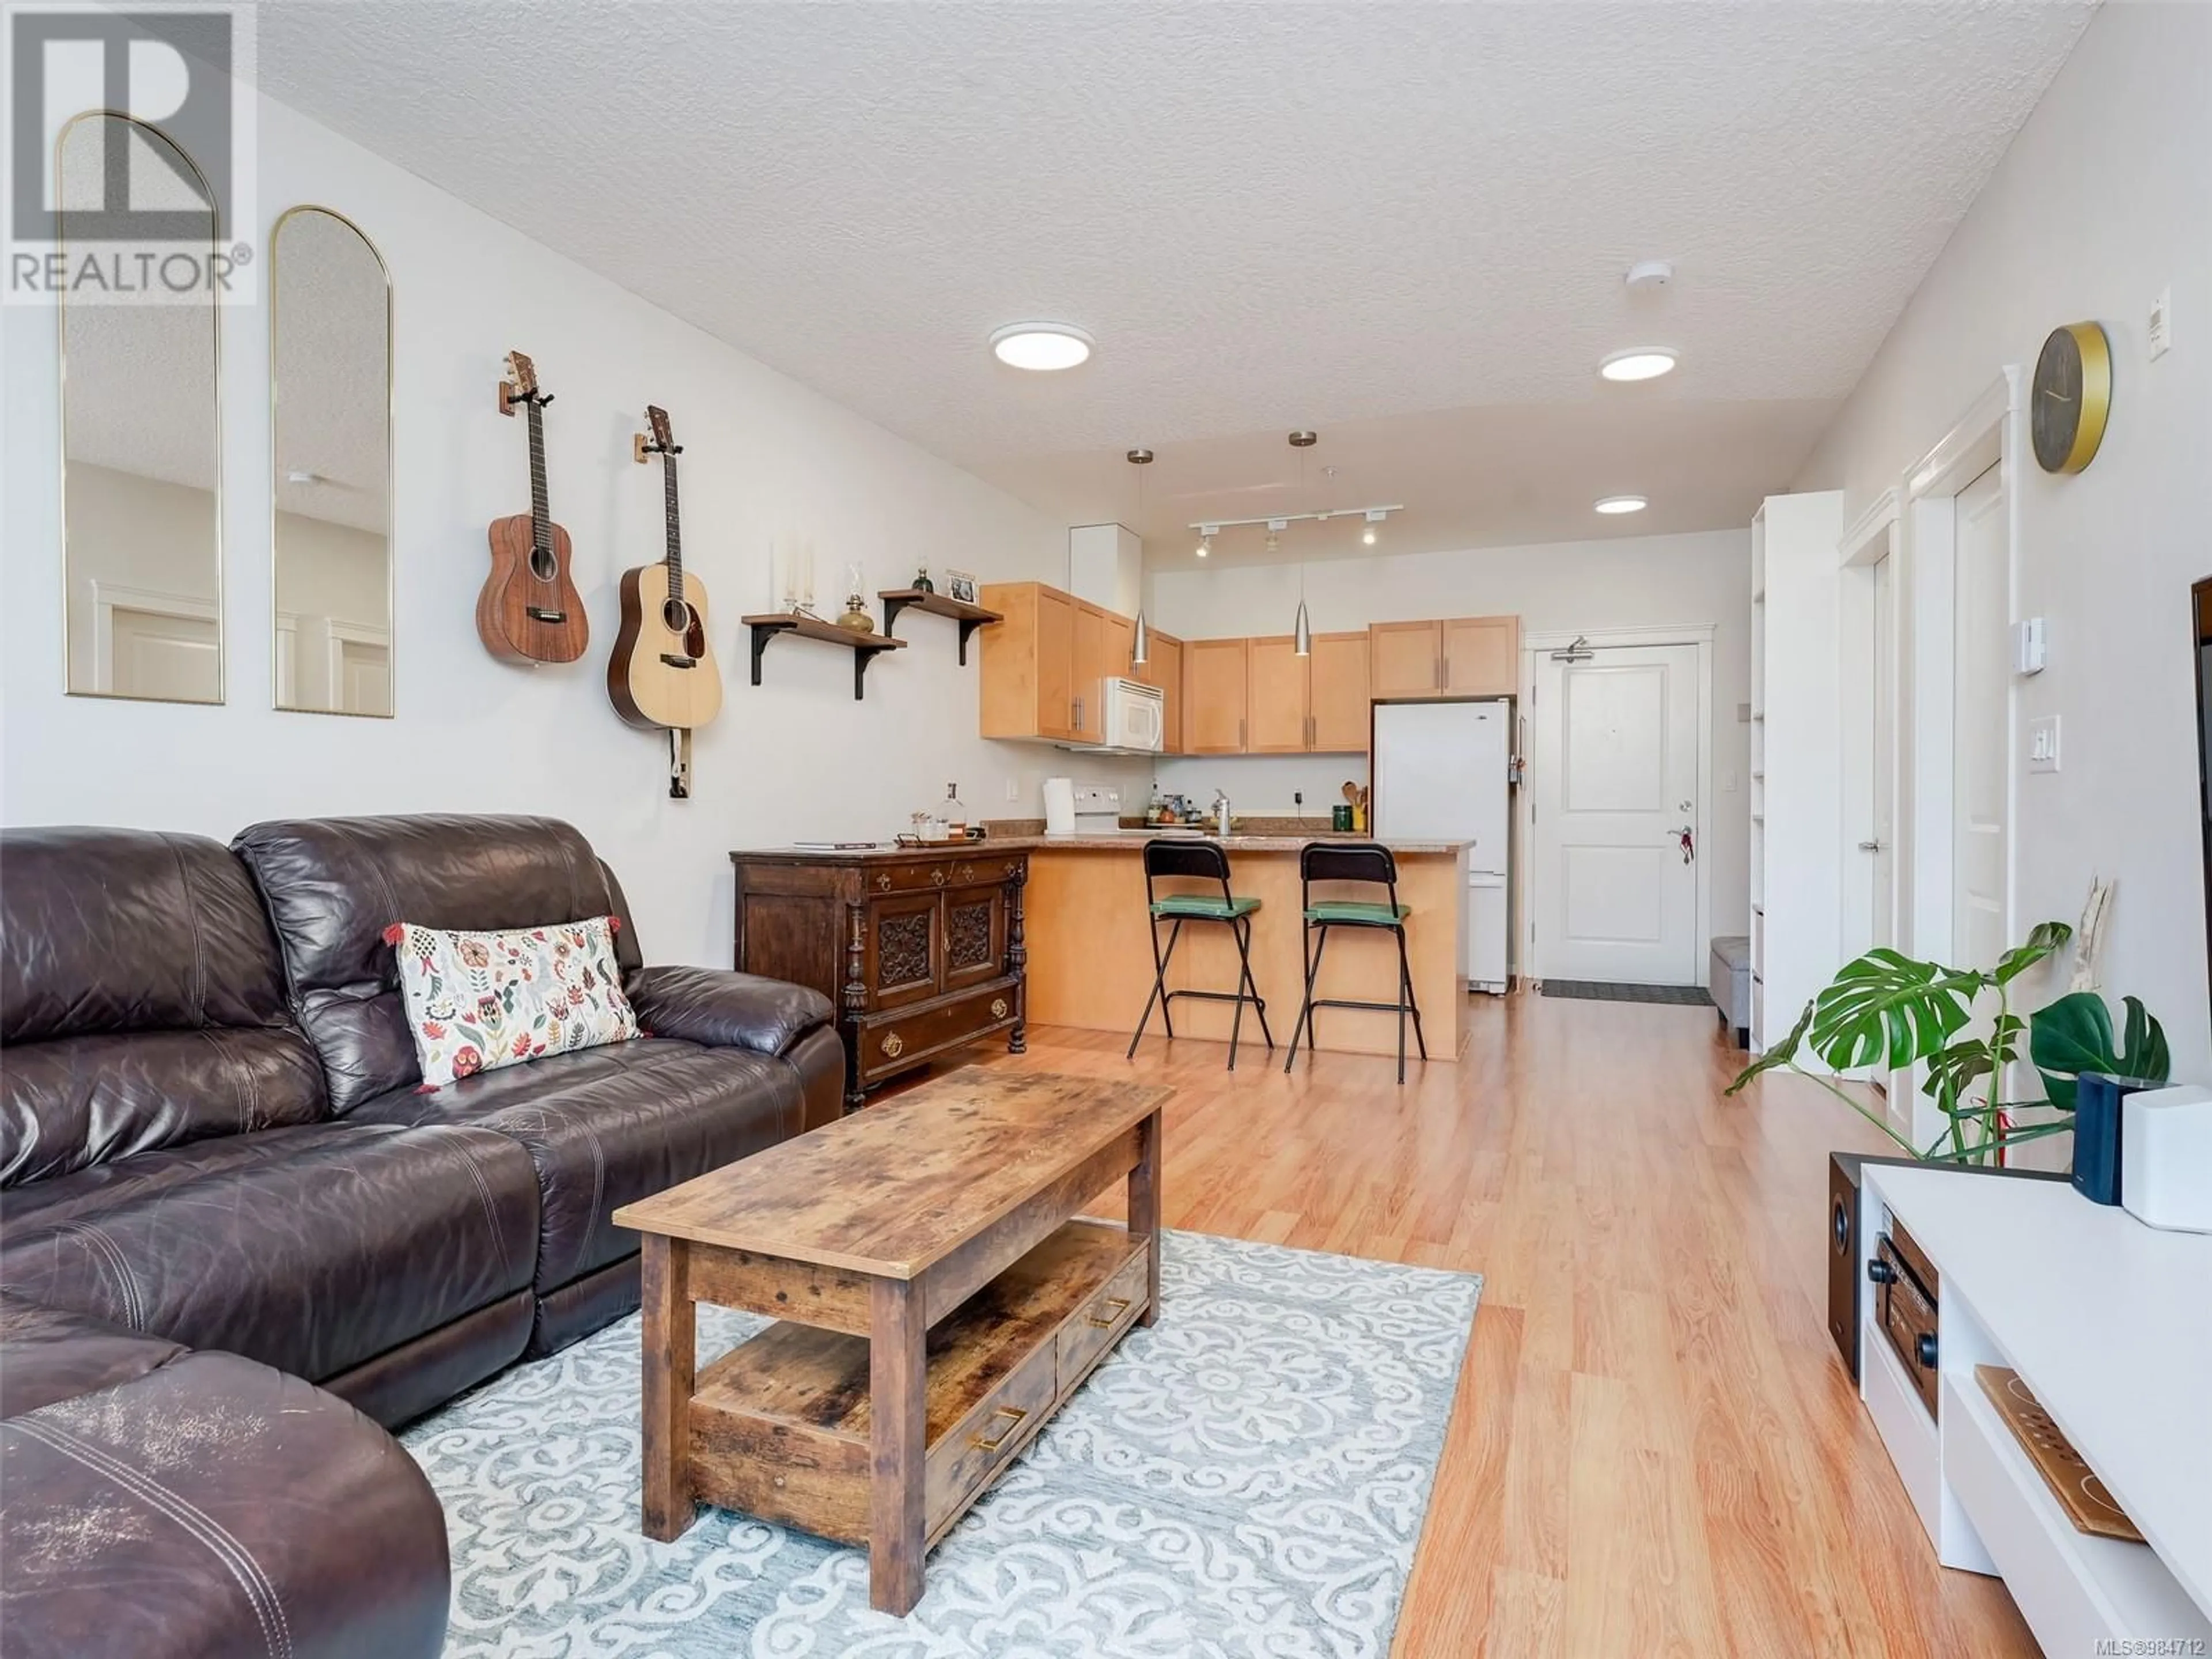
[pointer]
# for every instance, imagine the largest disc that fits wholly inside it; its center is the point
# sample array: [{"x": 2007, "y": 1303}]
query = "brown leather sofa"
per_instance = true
[{"x": 220, "y": 1174}]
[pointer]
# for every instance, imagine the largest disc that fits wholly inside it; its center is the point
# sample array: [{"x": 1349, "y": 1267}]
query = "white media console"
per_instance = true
[{"x": 2109, "y": 1323}]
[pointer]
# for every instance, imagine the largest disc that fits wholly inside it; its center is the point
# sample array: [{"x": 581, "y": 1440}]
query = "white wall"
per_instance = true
[
  {"x": 1639, "y": 582},
  {"x": 765, "y": 458},
  {"x": 2103, "y": 199}
]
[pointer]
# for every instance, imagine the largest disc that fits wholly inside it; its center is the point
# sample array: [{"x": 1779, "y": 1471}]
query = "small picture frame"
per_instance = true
[{"x": 959, "y": 585}]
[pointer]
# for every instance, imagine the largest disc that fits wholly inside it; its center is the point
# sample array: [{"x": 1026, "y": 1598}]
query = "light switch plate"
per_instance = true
[
  {"x": 1013, "y": 788},
  {"x": 2043, "y": 743}
]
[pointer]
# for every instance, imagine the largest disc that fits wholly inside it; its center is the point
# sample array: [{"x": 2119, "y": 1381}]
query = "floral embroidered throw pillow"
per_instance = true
[{"x": 479, "y": 1000}]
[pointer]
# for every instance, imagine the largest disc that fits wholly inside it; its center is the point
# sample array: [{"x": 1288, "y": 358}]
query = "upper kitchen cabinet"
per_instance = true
[
  {"x": 1164, "y": 670},
  {"x": 1461, "y": 657},
  {"x": 1029, "y": 664},
  {"x": 1094, "y": 661},
  {"x": 1405, "y": 658},
  {"x": 1482, "y": 656},
  {"x": 1216, "y": 683},
  {"x": 1338, "y": 696},
  {"x": 1306, "y": 705},
  {"x": 1278, "y": 707}
]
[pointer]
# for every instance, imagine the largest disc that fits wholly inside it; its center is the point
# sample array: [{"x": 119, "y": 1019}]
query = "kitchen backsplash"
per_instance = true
[{"x": 1264, "y": 784}]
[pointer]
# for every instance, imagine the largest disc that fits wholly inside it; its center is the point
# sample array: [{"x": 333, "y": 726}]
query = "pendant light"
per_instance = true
[
  {"x": 1141, "y": 642},
  {"x": 1301, "y": 628}
]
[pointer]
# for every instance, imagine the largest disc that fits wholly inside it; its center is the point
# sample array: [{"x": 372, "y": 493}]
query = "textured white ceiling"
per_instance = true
[{"x": 1269, "y": 216}]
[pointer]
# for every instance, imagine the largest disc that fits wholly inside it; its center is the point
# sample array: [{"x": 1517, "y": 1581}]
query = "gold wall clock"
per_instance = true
[{"x": 2072, "y": 396}]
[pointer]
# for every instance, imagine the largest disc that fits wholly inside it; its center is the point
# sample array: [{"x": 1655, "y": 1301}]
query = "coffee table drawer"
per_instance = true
[
  {"x": 989, "y": 1437},
  {"x": 1101, "y": 1320}
]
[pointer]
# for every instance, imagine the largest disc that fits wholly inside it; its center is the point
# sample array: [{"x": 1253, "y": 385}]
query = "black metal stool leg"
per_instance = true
[
  {"x": 1237, "y": 1020},
  {"x": 1167, "y": 997},
  {"x": 1244, "y": 958},
  {"x": 1406, "y": 973},
  {"x": 1305, "y": 1007},
  {"x": 1159, "y": 984},
  {"x": 1313, "y": 1020},
  {"x": 1401, "y": 1010},
  {"x": 1159, "y": 988}
]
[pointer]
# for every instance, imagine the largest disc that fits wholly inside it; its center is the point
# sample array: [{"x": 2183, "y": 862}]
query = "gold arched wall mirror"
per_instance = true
[
  {"x": 141, "y": 463},
  {"x": 329, "y": 421}
]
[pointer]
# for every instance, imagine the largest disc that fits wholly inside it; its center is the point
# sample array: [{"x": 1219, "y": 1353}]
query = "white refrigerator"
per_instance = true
[{"x": 1443, "y": 771}]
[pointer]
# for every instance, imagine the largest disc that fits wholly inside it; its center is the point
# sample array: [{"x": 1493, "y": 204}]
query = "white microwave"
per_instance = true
[{"x": 1136, "y": 716}]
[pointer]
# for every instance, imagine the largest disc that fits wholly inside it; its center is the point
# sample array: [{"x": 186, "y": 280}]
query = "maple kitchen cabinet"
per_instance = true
[
  {"x": 1339, "y": 698},
  {"x": 1216, "y": 683},
  {"x": 1458, "y": 657},
  {"x": 1165, "y": 670},
  {"x": 1094, "y": 662},
  {"x": 1482, "y": 656},
  {"x": 1028, "y": 663},
  {"x": 1306, "y": 705},
  {"x": 1276, "y": 707}
]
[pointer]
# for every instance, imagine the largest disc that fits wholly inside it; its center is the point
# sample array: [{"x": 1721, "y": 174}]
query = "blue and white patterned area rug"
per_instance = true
[{"x": 1244, "y": 1480}]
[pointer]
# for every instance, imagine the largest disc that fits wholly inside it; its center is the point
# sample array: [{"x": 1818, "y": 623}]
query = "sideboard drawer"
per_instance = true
[
  {"x": 890, "y": 1041},
  {"x": 929, "y": 875},
  {"x": 1099, "y": 1322}
]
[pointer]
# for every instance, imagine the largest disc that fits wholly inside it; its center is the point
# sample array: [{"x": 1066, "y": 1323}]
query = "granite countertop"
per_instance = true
[{"x": 1126, "y": 841}]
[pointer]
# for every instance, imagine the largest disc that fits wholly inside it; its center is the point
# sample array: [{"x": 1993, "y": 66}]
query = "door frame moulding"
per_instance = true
[
  {"x": 1991, "y": 432},
  {"x": 1876, "y": 536},
  {"x": 1536, "y": 646}
]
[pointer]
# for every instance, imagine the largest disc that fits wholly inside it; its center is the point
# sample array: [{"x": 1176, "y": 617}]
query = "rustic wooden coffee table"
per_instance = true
[{"x": 937, "y": 1302}]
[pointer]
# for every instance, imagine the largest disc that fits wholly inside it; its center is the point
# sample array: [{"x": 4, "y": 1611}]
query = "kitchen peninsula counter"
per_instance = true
[{"x": 1090, "y": 953}]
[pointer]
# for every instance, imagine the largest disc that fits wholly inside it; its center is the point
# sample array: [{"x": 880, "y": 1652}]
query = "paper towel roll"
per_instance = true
[{"x": 1060, "y": 806}]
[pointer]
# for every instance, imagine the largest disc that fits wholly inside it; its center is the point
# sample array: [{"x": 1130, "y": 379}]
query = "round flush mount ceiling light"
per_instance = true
[
  {"x": 1041, "y": 345},
  {"x": 1638, "y": 363},
  {"x": 1622, "y": 504}
]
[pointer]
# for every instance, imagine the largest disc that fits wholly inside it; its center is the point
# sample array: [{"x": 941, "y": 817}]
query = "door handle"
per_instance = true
[
  {"x": 1869, "y": 846},
  {"x": 1687, "y": 835}
]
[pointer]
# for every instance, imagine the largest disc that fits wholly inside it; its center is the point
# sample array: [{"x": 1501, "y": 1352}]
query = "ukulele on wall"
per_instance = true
[
  {"x": 529, "y": 611},
  {"x": 663, "y": 671}
]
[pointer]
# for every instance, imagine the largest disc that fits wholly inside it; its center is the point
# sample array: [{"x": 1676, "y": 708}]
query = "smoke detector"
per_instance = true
[{"x": 1648, "y": 276}]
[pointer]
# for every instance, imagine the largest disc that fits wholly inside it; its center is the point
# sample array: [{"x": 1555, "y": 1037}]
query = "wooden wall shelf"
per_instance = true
[
  {"x": 865, "y": 647},
  {"x": 969, "y": 617}
]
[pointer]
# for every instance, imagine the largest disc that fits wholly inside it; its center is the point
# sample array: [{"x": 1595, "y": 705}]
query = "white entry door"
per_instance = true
[
  {"x": 1982, "y": 738},
  {"x": 1617, "y": 743}
]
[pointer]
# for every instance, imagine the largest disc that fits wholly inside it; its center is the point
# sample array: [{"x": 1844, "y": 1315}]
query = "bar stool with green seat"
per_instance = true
[
  {"x": 1356, "y": 862},
  {"x": 1198, "y": 860}
]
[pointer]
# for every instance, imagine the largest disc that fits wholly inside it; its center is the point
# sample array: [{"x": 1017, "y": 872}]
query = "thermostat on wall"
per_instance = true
[{"x": 2027, "y": 646}]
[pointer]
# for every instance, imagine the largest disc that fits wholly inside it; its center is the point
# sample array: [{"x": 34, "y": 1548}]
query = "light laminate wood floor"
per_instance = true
[{"x": 1654, "y": 1449}]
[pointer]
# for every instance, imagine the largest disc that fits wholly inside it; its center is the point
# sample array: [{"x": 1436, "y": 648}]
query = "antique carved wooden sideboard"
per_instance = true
[{"x": 919, "y": 947}]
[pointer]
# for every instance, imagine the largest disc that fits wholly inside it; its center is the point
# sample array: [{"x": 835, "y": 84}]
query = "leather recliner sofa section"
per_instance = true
[{"x": 219, "y": 1173}]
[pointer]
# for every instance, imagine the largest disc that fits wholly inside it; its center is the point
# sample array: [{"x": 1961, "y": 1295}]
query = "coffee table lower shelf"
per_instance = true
[{"x": 780, "y": 1427}]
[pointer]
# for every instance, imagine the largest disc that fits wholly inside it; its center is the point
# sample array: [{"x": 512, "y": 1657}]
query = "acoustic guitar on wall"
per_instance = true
[
  {"x": 529, "y": 611},
  {"x": 663, "y": 671}
]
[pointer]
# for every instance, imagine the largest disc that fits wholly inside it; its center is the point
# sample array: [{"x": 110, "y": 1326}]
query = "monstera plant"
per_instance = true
[{"x": 1887, "y": 1009}]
